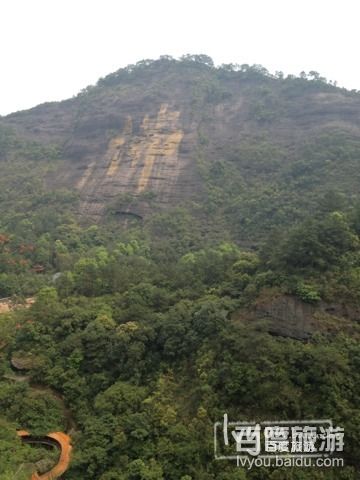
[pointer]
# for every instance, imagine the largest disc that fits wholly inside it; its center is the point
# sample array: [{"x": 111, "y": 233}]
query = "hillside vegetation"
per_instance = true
[{"x": 156, "y": 249}]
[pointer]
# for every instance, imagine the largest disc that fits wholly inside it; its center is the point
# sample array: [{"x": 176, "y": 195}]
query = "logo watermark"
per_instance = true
[{"x": 303, "y": 443}]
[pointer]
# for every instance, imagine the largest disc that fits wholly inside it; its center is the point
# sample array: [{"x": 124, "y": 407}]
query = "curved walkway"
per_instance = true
[{"x": 58, "y": 439}]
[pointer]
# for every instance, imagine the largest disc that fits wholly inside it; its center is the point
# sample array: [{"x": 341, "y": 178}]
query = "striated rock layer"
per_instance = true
[{"x": 140, "y": 136}]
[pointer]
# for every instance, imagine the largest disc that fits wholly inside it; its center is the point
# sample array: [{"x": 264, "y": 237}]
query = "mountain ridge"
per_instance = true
[{"x": 143, "y": 129}]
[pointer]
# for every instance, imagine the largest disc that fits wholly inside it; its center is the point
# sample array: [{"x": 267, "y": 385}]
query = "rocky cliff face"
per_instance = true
[
  {"x": 140, "y": 133},
  {"x": 288, "y": 316},
  {"x": 135, "y": 161}
]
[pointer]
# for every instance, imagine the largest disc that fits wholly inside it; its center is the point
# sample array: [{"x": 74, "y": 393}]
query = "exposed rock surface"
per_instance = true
[
  {"x": 142, "y": 136},
  {"x": 286, "y": 315},
  {"x": 23, "y": 361},
  {"x": 8, "y": 304}
]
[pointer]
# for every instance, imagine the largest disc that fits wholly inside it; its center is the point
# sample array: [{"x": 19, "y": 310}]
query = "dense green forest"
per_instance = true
[{"x": 142, "y": 333}]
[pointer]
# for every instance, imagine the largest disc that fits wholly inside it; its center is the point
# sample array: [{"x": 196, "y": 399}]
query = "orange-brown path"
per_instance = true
[{"x": 62, "y": 441}]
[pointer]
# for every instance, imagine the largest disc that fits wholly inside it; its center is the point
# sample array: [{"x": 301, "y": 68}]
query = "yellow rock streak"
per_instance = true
[
  {"x": 163, "y": 140},
  {"x": 114, "y": 153}
]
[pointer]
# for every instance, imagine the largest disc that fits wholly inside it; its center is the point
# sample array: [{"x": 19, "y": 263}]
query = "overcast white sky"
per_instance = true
[{"x": 51, "y": 49}]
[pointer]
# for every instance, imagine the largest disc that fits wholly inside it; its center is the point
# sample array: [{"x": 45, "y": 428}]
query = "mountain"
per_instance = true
[
  {"x": 178, "y": 242},
  {"x": 170, "y": 132}
]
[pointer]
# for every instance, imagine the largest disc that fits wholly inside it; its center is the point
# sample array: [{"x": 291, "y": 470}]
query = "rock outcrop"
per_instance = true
[
  {"x": 142, "y": 133},
  {"x": 288, "y": 316}
]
